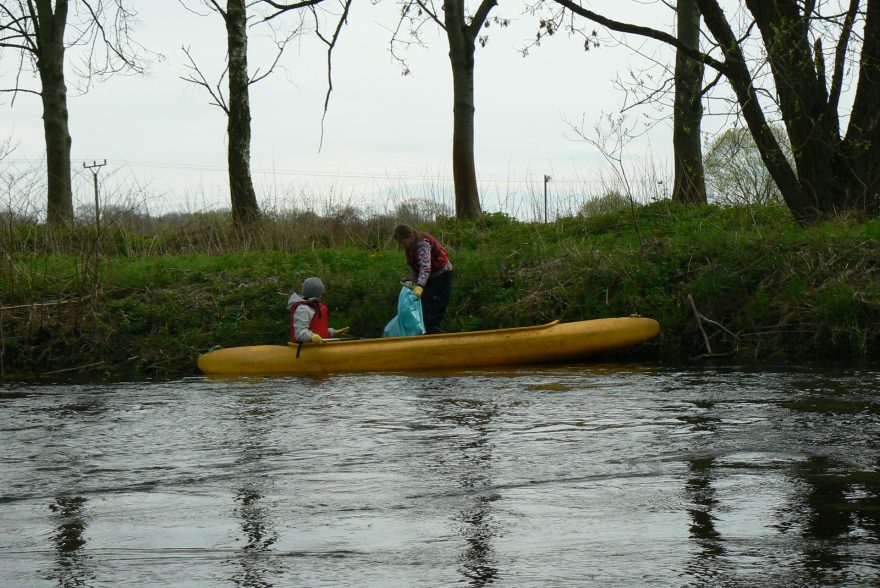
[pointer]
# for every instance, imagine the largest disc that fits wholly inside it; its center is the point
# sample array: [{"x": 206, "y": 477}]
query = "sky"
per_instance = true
[{"x": 386, "y": 137}]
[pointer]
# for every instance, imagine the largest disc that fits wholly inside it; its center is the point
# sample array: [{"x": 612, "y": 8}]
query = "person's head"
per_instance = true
[
  {"x": 313, "y": 288},
  {"x": 405, "y": 235}
]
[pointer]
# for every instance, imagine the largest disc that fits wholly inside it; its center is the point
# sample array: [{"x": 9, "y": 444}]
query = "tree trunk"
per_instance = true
[
  {"x": 834, "y": 175},
  {"x": 862, "y": 142},
  {"x": 50, "y": 64},
  {"x": 244, "y": 200},
  {"x": 802, "y": 102},
  {"x": 461, "y": 57},
  {"x": 740, "y": 79},
  {"x": 690, "y": 184}
]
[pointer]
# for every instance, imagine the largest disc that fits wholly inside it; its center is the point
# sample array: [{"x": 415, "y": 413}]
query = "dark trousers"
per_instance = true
[{"x": 435, "y": 299}]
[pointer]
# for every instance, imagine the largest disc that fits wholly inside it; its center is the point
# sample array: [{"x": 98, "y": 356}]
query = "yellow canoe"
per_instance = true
[{"x": 539, "y": 344}]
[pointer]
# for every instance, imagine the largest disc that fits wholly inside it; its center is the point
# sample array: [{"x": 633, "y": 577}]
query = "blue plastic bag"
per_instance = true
[{"x": 409, "y": 320}]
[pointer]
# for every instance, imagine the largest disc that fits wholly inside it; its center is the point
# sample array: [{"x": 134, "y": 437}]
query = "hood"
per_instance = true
[{"x": 294, "y": 298}]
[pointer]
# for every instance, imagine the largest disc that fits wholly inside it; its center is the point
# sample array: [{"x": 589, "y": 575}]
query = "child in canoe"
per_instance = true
[{"x": 309, "y": 321}]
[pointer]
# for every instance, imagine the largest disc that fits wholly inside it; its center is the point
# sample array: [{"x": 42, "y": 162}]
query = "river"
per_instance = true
[{"x": 587, "y": 475}]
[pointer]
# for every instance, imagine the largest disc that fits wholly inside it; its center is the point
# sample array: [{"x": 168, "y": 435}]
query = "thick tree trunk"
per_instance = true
[
  {"x": 834, "y": 175},
  {"x": 461, "y": 57},
  {"x": 802, "y": 101},
  {"x": 740, "y": 79},
  {"x": 50, "y": 64},
  {"x": 244, "y": 200},
  {"x": 690, "y": 184},
  {"x": 862, "y": 141},
  {"x": 467, "y": 195}
]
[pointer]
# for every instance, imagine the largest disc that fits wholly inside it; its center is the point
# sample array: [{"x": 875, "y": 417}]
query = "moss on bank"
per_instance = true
[{"x": 764, "y": 288}]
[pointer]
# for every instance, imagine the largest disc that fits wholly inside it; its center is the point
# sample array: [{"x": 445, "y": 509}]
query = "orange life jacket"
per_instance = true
[
  {"x": 320, "y": 324},
  {"x": 439, "y": 258}
]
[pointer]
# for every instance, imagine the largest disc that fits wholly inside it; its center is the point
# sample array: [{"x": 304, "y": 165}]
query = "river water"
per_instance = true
[{"x": 589, "y": 475}]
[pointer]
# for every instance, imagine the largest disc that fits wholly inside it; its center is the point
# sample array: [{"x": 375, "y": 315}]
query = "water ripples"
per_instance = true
[{"x": 588, "y": 475}]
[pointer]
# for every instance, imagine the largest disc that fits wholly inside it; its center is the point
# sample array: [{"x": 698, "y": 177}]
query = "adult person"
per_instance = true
[
  {"x": 431, "y": 273},
  {"x": 309, "y": 320}
]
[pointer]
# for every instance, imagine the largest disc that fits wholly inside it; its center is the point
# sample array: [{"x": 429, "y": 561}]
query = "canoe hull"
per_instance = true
[{"x": 545, "y": 343}]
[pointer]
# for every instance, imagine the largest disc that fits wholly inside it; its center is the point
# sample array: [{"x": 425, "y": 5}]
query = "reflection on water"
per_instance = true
[
  {"x": 255, "y": 518},
  {"x": 256, "y": 525},
  {"x": 473, "y": 454},
  {"x": 826, "y": 517},
  {"x": 702, "y": 528},
  {"x": 565, "y": 476},
  {"x": 72, "y": 564},
  {"x": 255, "y": 417}
]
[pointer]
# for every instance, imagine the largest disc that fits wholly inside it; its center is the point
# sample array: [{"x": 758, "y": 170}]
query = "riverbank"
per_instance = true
[{"x": 734, "y": 282}]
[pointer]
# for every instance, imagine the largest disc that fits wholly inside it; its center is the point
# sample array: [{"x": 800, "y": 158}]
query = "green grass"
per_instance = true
[{"x": 132, "y": 304}]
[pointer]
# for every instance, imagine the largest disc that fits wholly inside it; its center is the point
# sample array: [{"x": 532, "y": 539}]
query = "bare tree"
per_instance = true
[
  {"x": 834, "y": 172},
  {"x": 245, "y": 209},
  {"x": 679, "y": 89},
  {"x": 463, "y": 34},
  {"x": 40, "y": 32}
]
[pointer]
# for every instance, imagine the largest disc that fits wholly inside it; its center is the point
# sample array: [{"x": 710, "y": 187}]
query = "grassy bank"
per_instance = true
[{"x": 742, "y": 282}]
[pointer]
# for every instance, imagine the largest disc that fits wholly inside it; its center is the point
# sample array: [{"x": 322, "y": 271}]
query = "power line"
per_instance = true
[{"x": 352, "y": 175}]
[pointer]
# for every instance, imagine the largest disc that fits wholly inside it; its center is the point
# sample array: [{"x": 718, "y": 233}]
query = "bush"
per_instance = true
[{"x": 611, "y": 202}]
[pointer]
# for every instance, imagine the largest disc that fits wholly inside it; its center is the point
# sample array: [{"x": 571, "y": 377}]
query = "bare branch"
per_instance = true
[
  {"x": 712, "y": 84},
  {"x": 191, "y": 10},
  {"x": 14, "y": 27},
  {"x": 198, "y": 78},
  {"x": 282, "y": 8},
  {"x": 840, "y": 56},
  {"x": 431, "y": 13},
  {"x": 219, "y": 9},
  {"x": 17, "y": 90},
  {"x": 480, "y": 16},
  {"x": 397, "y": 38},
  {"x": 14, "y": 46},
  {"x": 128, "y": 60},
  {"x": 35, "y": 20},
  {"x": 623, "y": 27},
  {"x": 331, "y": 44},
  {"x": 282, "y": 45}
]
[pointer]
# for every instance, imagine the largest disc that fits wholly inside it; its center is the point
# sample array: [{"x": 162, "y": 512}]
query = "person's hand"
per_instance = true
[
  {"x": 418, "y": 290},
  {"x": 342, "y": 331},
  {"x": 316, "y": 338}
]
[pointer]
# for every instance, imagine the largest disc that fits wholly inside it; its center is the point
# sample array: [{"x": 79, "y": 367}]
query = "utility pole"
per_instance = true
[
  {"x": 95, "y": 168},
  {"x": 546, "y": 180}
]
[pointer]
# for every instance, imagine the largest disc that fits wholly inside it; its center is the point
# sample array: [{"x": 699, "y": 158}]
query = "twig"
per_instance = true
[
  {"x": 700, "y": 324},
  {"x": 73, "y": 369},
  {"x": 50, "y": 303},
  {"x": 700, "y": 320},
  {"x": 331, "y": 44}
]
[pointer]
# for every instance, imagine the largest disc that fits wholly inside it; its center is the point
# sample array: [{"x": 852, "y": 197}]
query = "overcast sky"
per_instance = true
[{"x": 386, "y": 136}]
